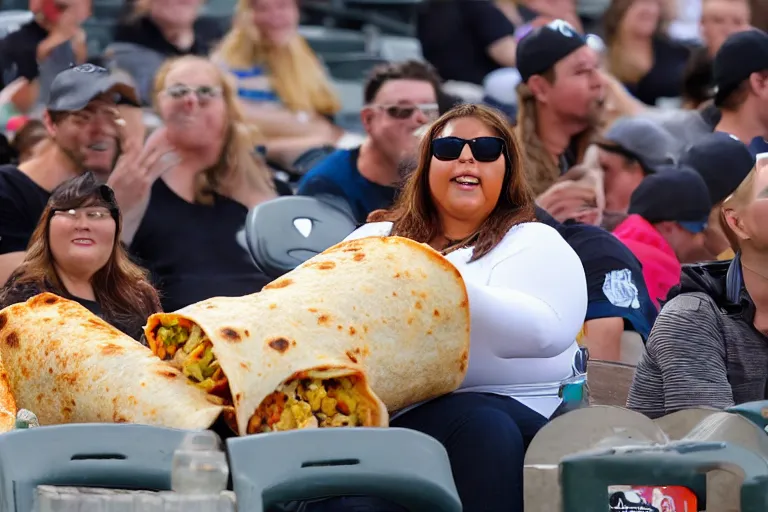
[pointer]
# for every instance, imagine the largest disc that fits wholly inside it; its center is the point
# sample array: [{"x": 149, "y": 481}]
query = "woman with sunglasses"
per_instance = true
[
  {"x": 75, "y": 253},
  {"x": 468, "y": 199}
]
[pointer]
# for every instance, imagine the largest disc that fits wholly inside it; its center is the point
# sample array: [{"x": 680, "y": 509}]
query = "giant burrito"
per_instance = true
[
  {"x": 367, "y": 321},
  {"x": 69, "y": 366},
  {"x": 8, "y": 408}
]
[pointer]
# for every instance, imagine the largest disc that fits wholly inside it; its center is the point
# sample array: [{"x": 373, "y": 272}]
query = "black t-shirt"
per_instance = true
[
  {"x": 192, "y": 250},
  {"x": 22, "y": 201},
  {"x": 455, "y": 36},
  {"x": 145, "y": 32},
  {"x": 665, "y": 79},
  {"x": 18, "y": 52}
]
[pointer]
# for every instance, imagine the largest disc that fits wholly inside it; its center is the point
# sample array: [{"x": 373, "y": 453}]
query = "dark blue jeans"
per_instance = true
[{"x": 486, "y": 437}]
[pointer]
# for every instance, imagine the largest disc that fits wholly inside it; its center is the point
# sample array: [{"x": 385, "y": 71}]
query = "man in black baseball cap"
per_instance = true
[
  {"x": 740, "y": 72},
  {"x": 723, "y": 161},
  {"x": 559, "y": 100},
  {"x": 668, "y": 215}
]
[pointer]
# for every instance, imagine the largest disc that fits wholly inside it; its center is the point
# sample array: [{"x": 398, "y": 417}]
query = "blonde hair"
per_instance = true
[
  {"x": 740, "y": 198},
  {"x": 238, "y": 153},
  {"x": 294, "y": 70}
]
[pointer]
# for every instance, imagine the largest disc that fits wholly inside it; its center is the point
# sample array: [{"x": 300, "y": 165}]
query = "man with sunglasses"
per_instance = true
[
  {"x": 81, "y": 119},
  {"x": 399, "y": 100}
]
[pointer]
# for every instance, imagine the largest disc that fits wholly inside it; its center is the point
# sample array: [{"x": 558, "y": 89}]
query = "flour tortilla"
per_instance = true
[
  {"x": 68, "y": 366},
  {"x": 8, "y": 407},
  {"x": 395, "y": 308}
]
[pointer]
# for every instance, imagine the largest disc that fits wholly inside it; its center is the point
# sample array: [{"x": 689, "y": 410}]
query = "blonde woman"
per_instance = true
[
  {"x": 640, "y": 55},
  {"x": 708, "y": 346},
  {"x": 280, "y": 82},
  {"x": 188, "y": 234}
]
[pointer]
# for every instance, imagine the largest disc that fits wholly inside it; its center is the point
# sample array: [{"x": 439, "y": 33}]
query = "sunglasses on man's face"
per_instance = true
[
  {"x": 406, "y": 111},
  {"x": 484, "y": 149}
]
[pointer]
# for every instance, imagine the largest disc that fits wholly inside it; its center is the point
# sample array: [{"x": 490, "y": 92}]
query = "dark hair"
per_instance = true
[
  {"x": 736, "y": 98},
  {"x": 697, "y": 78},
  {"x": 407, "y": 70},
  {"x": 28, "y": 136},
  {"x": 121, "y": 287},
  {"x": 414, "y": 215}
]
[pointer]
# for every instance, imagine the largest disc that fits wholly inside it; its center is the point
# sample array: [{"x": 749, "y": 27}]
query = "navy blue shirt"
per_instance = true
[
  {"x": 338, "y": 175},
  {"x": 758, "y": 145},
  {"x": 615, "y": 284}
]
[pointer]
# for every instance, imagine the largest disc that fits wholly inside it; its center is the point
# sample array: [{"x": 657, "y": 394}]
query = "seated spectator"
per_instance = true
[
  {"x": 647, "y": 62},
  {"x": 466, "y": 40},
  {"x": 741, "y": 77},
  {"x": 668, "y": 216},
  {"x": 399, "y": 99},
  {"x": 158, "y": 30},
  {"x": 468, "y": 199},
  {"x": 707, "y": 348},
  {"x": 618, "y": 299},
  {"x": 630, "y": 150},
  {"x": 75, "y": 252},
  {"x": 187, "y": 236},
  {"x": 281, "y": 85},
  {"x": 80, "y": 120},
  {"x": 35, "y": 53},
  {"x": 30, "y": 140},
  {"x": 559, "y": 102},
  {"x": 723, "y": 161},
  {"x": 722, "y": 18}
]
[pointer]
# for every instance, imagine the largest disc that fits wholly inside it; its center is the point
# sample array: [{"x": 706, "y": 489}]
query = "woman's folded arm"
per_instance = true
[{"x": 536, "y": 298}]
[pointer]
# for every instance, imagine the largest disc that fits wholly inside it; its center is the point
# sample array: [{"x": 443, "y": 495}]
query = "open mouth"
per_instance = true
[
  {"x": 466, "y": 181},
  {"x": 99, "y": 146},
  {"x": 83, "y": 241}
]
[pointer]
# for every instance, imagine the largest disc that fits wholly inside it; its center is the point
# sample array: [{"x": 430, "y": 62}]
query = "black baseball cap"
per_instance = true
[
  {"x": 742, "y": 54},
  {"x": 674, "y": 193},
  {"x": 74, "y": 88},
  {"x": 722, "y": 160},
  {"x": 545, "y": 46}
]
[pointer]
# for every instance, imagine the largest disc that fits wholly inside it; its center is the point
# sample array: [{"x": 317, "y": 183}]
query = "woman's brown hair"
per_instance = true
[
  {"x": 121, "y": 287},
  {"x": 414, "y": 215}
]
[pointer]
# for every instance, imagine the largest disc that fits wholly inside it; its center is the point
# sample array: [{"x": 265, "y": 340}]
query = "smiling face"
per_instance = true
[
  {"x": 720, "y": 19},
  {"x": 276, "y": 20},
  {"x": 465, "y": 189},
  {"x": 192, "y": 103},
  {"x": 82, "y": 239},
  {"x": 87, "y": 136}
]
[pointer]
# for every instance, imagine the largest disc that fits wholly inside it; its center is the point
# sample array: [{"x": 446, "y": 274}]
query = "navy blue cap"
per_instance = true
[
  {"x": 674, "y": 193},
  {"x": 615, "y": 283},
  {"x": 544, "y": 46},
  {"x": 742, "y": 54},
  {"x": 722, "y": 160}
]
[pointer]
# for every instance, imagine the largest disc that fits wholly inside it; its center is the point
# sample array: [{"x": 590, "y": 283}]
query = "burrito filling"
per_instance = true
[
  {"x": 188, "y": 348},
  {"x": 312, "y": 403}
]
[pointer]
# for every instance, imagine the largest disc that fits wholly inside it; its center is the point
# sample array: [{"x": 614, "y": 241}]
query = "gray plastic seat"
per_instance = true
[
  {"x": 404, "y": 466},
  {"x": 285, "y": 232},
  {"x": 87, "y": 455},
  {"x": 351, "y": 66}
]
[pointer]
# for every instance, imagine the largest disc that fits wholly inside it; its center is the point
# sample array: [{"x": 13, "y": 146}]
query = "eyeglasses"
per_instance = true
[
  {"x": 203, "y": 92},
  {"x": 94, "y": 214},
  {"x": 484, "y": 149},
  {"x": 402, "y": 112}
]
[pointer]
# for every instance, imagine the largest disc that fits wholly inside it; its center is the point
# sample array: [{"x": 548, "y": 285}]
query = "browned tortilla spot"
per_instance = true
[
  {"x": 464, "y": 360},
  {"x": 436, "y": 313},
  {"x": 3, "y": 320},
  {"x": 464, "y": 304},
  {"x": 238, "y": 397},
  {"x": 359, "y": 256},
  {"x": 25, "y": 372},
  {"x": 117, "y": 418},
  {"x": 230, "y": 334},
  {"x": 397, "y": 276},
  {"x": 69, "y": 378},
  {"x": 339, "y": 327},
  {"x": 352, "y": 331},
  {"x": 323, "y": 265},
  {"x": 110, "y": 349},
  {"x": 272, "y": 306},
  {"x": 312, "y": 310},
  {"x": 210, "y": 306},
  {"x": 246, "y": 332},
  {"x": 167, "y": 373},
  {"x": 245, "y": 366},
  {"x": 351, "y": 356},
  {"x": 280, "y": 283},
  {"x": 280, "y": 344},
  {"x": 50, "y": 371},
  {"x": 410, "y": 320},
  {"x": 418, "y": 305},
  {"x": 12, "y": 340},
  {"x": 394, "y": 294}
]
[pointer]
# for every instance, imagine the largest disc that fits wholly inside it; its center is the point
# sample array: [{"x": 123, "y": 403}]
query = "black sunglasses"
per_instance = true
[{"x": 484, "y": 149}]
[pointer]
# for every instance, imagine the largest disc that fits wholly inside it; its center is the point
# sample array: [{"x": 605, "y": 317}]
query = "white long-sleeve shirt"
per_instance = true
[{"x": 527, "y": 303}]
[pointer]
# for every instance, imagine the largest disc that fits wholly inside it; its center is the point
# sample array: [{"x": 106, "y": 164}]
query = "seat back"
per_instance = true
[
  {"x": 285, "y": 232},
  {"x": 86, "y": 455},
  {"x": 404, "y": 466},
  {"x": 609, "y": 382}
]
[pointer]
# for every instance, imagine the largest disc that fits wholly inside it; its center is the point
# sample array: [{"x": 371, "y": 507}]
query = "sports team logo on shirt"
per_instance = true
[{"x": 620, "y": 290}]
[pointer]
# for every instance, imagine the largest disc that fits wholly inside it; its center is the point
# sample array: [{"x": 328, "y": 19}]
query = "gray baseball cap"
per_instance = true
[
  {"x": 642, "y": 140},
  {"x": 74, "y": 88}
]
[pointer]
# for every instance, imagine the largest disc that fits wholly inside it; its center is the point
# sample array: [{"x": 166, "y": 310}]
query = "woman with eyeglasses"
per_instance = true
[
  {"x": 75, "y": 253},
  {"x": 468, "y": 199}
]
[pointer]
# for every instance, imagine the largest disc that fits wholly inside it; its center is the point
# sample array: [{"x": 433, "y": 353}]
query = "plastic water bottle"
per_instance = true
[{"x": 200, "y": 471}]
